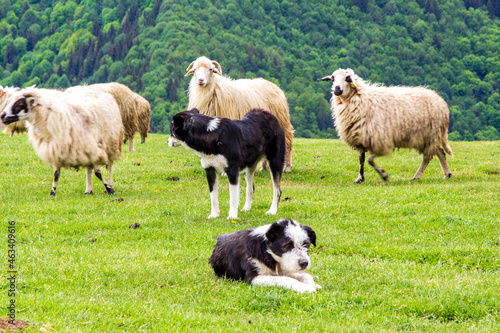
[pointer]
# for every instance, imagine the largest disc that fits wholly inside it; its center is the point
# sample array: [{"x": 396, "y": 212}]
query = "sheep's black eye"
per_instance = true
[{"x": 348, "y": 78}]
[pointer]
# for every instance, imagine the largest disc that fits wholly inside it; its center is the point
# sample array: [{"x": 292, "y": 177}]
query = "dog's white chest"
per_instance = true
[{"x": 217, "y": 161}]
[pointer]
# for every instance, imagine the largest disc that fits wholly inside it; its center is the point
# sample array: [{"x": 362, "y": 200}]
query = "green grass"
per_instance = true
[{"x": 397, "y": 256}]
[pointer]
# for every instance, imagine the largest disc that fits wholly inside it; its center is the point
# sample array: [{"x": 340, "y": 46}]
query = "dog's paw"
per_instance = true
[
  {"x": 318, "y": 286},
  {"x": 305, "y": 288},
  {"x": 232, "y": 216},
  {"x": 213, "y": 216},
  {"x": 245, "y": 209},
  {"x": 271, "y": 212}
]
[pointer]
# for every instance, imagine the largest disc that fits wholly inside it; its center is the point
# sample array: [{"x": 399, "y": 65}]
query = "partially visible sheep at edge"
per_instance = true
[
  {"x": 6, "y": 94},
  {"x": 379, "y": 119},
  {"x": 143, "y": 110},
  {"x": 126, "y": 100},
  {"x": 70, "y": 130},
  {"x": 220, "y": 96}
]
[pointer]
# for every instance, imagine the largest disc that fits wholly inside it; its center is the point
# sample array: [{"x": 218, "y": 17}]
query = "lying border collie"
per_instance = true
[
  {"x": 233, "y": 146},
  {"x": 271, "y": 255}
]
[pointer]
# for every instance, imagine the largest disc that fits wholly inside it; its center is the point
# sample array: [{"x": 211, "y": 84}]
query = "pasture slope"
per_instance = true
[{"x": 397, "y": 256}]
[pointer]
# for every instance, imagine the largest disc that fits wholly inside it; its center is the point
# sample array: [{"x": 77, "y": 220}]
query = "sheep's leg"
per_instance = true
[
  {"x": 288, "y": 160},
  {"x": 444, "y": 164},
  {"x": 425, "y": 162},
  {"x": 88, "y": 171},
  {"x": 371, "y": 160},
  {"x": 57, "y": 173},
  {"x": 131, "y": 144},
  {"x": 110, "y": 175},
  {"x": 213, "y": 186},
  {"x": 98, "y": 174},
  {"x": 249, "y": 177},
  {"x": 361, "y": 173},
  {"x": 234, "y": 191}
]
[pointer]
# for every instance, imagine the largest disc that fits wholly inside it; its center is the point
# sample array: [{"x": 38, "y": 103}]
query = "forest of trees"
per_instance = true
[{"x": 451, "y": 46}]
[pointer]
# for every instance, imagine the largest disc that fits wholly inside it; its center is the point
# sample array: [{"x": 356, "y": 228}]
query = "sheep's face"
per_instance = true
[
  {"x": 343, "y": 81},
  {"x": 203, "y": 70},
  {"x": 17, "y": 110}
]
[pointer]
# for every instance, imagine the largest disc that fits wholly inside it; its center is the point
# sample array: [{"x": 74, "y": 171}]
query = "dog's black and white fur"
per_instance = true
[
  {"x": 233, "y": 146},
  {"x": 271, "y": 255}
]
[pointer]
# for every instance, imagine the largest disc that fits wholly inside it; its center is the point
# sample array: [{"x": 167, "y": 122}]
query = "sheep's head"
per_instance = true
[
  {"x": 203, "y": 70},
  {"x": 18, "y": 109},
  {"x": 344, "y": 81}
]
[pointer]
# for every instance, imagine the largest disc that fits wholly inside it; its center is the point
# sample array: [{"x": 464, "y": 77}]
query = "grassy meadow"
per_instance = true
[{"x": 396, "y": 256}]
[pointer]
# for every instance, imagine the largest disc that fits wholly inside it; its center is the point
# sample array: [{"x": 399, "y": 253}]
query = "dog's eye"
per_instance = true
[
  {"x": 306, "y": 244},
  {"x": 289, "y": 245}
]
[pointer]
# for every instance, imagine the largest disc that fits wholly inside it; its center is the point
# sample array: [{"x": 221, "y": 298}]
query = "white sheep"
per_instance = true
[
  {"x": 219, "y": 96},
  {"x": 6, "y": 94},
  {"x": 126, "y": 100},
  {"x": 143, "y": 110},
  {"x": 70, "y": 130},
  {"x": 379, "y": 119}
]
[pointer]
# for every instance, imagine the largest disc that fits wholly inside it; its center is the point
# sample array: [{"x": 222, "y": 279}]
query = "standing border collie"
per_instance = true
[
  {"x": 233, "y": 146},
  {"x": 271, "y": 255}
]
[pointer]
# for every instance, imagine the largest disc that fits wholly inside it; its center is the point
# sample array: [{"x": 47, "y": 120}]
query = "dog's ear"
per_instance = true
[
  {"x": 178, "y": 120},
  {"x": 311, "y": 234},
  {"x": 274, "y": 230},
  {"x": 194, "y": 110}
]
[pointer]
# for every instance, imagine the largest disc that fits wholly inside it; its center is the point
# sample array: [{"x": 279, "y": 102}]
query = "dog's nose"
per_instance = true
[{"x": 303, "y": 263}]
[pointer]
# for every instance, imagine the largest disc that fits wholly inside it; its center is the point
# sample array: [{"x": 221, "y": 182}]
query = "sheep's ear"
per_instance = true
[
  {"x": 2, "y": 92},
  {"x": 31, "y": 101},
  {"x": 326, "y": 78}
]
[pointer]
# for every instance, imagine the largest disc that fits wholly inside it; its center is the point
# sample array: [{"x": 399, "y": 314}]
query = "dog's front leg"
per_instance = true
[
  {"x": 249, "y": 177},
  {"x": 234, "y": 192},
  {"x": 306, "y": 278},
  {"x": 213, "y": 186},
  {"x": 283, "y": 281},
  {"x": 276, "y": 179}
]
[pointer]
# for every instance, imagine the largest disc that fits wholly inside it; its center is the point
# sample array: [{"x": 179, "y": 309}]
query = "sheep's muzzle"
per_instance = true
[{"x": 8, "y": 119}]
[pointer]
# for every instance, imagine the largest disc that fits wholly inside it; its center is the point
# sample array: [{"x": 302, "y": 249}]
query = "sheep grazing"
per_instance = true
[
  {"x": 126, "y": 100},
  {"x": 379, "y": 119},
  {"x": 143, "y": 110},
  {"x": 6, "y": 95},
  {"x": 218, "y": 96},
  {"x": 70, "y": 130}
]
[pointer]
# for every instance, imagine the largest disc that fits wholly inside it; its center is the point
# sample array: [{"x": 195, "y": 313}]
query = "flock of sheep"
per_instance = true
[{"x": 86, "y": 126}]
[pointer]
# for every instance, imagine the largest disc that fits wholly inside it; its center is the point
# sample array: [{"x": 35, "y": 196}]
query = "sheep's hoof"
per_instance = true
[
  {"x": 88, "y": 193},
  {"x": 110, "y": 190},
  {"x": 52, "y": 193},
  {"x": 448, "y": 176},
  {"x": 385, "y": 176},
  {"x": 359, "y": 181},
  {"x": 414, "y": 179}
]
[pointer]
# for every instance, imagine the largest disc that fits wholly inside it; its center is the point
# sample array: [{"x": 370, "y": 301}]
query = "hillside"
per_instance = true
[{"x": 451, "y": 46}]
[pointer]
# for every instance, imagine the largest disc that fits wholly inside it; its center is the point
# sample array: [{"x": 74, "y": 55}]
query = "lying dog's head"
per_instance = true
[{"x": 288, "y": 244}]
